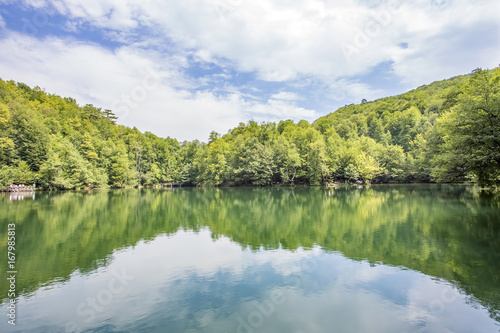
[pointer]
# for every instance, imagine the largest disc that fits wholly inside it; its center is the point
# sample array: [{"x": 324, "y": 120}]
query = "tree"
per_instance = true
[
  {"x": 333, "y": 149},
  {"x": 6, "y": 144},
  {"x": 376, "y": 130},
  {"x": 393, "y": 161},
  {"x": 20, "y": 174},
  {"x": 471, "y": 133},
  {"x": 65, "y": 168},
  {"x": 88, "y": 150},
  {"x": 215, "y": 168},
  {"x": 403, "y": 126},
  {"x": 261, "y": 165},
  {"x": 4, "y": 116},
  {"x": 7, "y": 149},
  {"x": 120, "y": 173},
  {"x": 283, "y": 124},
  {"x": 351, "y": 172},
  {"x": 186, "y": 172},
  {"x": 91, "y": 112},
  {"x": 316, "y": 162},
  {"x": 368, "y": 167},
  {"x": 287, "y": 159},
  {"x": 448, "y": 128},
  {"x": 110, "y": 115},
  {"x": 29, "y": 135},
  {"x": 213, "y": 136}
]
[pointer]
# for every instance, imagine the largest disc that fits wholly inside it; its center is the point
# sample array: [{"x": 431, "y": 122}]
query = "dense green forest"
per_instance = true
[{"x": 448, "y": 131}]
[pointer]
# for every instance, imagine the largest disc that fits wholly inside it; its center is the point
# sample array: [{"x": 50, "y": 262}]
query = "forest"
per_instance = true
[{"x": 447, "y": 131}]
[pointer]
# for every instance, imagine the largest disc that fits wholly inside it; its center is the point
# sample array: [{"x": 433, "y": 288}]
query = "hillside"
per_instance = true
[
  {"x": 402, "y": 123},
  {"x": 447, "y": 131},
  {"x": 386, "y": 119},
  {"x": 57, "y": 144}
]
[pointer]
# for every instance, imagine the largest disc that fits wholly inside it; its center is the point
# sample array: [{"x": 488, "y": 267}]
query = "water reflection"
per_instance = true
[
  {"x": 21, "y": 195},
  {"x": 320, "y": 260},
  {"x": 216, "y": 286}
]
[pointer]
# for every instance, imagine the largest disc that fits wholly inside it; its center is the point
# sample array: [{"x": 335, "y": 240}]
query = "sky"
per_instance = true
[{"x": 185, "y": 68}]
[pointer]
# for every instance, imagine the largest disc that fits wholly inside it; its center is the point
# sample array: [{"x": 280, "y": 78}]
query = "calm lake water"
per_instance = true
[{"x": 419, "y": 258}]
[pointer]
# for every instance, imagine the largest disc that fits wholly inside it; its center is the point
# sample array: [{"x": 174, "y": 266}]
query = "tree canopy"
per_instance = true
[{"x": 447, "y": 131}]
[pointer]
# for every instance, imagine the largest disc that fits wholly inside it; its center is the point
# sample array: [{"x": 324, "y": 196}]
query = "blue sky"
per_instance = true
[{"x": 185, "y": 68}]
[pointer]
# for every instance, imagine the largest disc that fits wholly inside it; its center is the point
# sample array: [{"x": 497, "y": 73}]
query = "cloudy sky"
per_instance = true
[{"x": 185, "y": 68}]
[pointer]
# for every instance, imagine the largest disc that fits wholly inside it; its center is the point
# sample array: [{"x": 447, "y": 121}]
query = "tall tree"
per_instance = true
[
  {"x": 471, "y": 132},
  {"x": 287, "y": 159}
]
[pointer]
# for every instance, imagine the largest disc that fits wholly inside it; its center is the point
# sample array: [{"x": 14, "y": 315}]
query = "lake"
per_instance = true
[{"x": 398, "y": 258}]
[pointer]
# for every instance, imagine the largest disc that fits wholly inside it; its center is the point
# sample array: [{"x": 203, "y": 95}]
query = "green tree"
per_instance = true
[
  {"x": 316, "y": 162},
  {"x": 6, "y": 144},
  {"x": 287, "y": 159},
  {"x": 20, "y": 174},
  {"x": 334, "y": 148},
  {"x": 4, "y": 115},
  {"x": 351, "y": 173},
  {"x": 65, "y": 168},
  {"x": 471, "y": 133},
  {"x": 29, "y": 135},
  {"x": 368, "y": 167},
  {"x": 120, "y": 173},
  {"x": 110, "y": 115},
  {"x": 215, "y": 168},
  {"x": 88, "y": 150},
  {"x": 261, "y": 165}
]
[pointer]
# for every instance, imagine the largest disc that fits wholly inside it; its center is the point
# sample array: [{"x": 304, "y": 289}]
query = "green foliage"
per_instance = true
[
  {"x": 66, "y": 168},
  {"x": 4, "y": 115},
  {"x": 26, "y": 129},
  {"x": 119, "y": 171},
  {"x": 215, "y": 164},
  {"x": 6, "y": 150},
  {"x": 20, "y": 174},
  {"x": 470, "y": 133},
  {"x": 57, "y": 144},
  {"x": 315, "y": 160},
  {"x": 447, "y": 131},
  {"x": 287, "y": 159}
]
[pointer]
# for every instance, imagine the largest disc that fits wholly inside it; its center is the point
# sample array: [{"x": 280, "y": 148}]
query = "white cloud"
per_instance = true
[
  {"x": 343, "y": 89},
  {"x": 110, "y": 14},
  {"x": 275, "y": 110},
  {"x": 286, "y": 96},
  {"x": 283, "y": 40},
  {"x": 466, "y": 48}
]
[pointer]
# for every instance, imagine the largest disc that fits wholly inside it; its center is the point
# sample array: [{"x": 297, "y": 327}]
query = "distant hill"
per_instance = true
[
  {"x": 397, "y": 119},
  {"x": 428, "y": 123}
]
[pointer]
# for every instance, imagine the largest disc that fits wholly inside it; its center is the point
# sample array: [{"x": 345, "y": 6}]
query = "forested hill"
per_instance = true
[
  {"x": 402, "y": 128},
  {"x": 447, "y": 131},
  {"x": 383, "y": 119}
]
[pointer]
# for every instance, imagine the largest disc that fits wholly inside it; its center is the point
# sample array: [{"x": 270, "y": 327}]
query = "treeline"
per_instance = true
[
  {"x": 447, "y": 131},
  {"x": 53, "y": 142}
]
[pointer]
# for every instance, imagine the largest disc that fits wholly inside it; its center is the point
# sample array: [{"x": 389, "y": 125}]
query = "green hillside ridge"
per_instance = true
[
  {"x": 447, "y": 131},
  {"x": 403, "y": 124}
]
